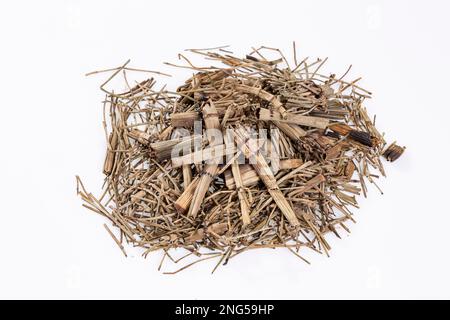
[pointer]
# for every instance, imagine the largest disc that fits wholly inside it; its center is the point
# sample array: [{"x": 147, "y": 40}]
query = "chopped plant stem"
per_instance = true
[{"x": 246, "y": 153}]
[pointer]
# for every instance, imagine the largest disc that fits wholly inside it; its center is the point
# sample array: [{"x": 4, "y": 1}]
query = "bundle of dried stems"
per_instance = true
[{"x": 251, "y": 153}]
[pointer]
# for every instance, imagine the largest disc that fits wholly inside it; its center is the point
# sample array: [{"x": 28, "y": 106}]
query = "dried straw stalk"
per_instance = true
[
  {"x": 211, "y": 123},
  {"x": 247, "y": 145}
]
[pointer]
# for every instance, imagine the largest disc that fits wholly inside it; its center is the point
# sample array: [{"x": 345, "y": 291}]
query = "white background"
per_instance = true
[{"x": 51, "y": 130}]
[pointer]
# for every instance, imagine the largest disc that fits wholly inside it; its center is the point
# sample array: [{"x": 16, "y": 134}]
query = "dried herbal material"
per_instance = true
[
  {"x": 246, "y": 153},
  {"x": 393, "y": 152}
]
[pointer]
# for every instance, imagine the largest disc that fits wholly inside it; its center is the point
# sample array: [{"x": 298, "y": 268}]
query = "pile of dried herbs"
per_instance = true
[{"x": 249, "y": 153}]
